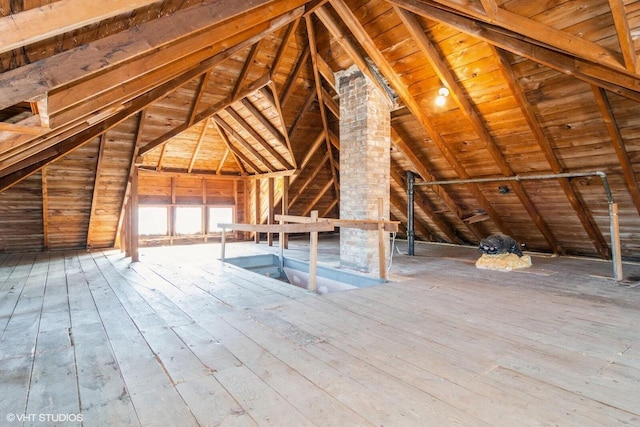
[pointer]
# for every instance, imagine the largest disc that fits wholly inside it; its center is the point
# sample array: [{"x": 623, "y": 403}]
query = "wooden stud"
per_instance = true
[{"x": 313, "y": 256}]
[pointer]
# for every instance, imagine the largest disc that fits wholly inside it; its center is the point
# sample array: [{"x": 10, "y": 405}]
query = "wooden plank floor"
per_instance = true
[{"x": 180, "y": 339}]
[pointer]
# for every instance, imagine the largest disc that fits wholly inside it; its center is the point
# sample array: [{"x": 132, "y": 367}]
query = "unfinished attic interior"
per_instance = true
[{"x": 144, "y": 142}]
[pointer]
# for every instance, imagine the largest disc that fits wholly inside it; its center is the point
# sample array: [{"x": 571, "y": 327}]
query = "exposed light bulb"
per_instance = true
[
  {"x": 443, "y": 91},
  {"x": 440, "y": 100}
]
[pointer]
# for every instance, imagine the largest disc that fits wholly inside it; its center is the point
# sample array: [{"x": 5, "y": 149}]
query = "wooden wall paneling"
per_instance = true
[{"x": 21, "y": 210}]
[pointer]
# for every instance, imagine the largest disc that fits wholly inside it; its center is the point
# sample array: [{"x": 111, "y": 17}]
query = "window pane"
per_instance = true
[
  {"x": 219, "y": 216},
  {"x": 152, "y": 221},
  {"x": 188, "y": 220}
]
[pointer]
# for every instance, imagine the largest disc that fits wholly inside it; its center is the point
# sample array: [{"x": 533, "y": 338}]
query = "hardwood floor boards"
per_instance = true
[{"x": 181, "y": 339}]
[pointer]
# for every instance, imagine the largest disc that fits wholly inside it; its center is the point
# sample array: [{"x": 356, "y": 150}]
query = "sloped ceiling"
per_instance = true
[{"x": 248, "y": 88}]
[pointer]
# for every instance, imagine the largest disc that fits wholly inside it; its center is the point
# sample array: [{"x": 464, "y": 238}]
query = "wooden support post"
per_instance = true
[
  {"x": 126, "y": 232},
  {"x": 615, "y": 241},
  {"x": 313, "y": 256},
  {"x": 381, "y": 238},
  {"x": 270, "y": 213},
  {"x": 222, "y": 243},
  {"x": 281, "y": 248},
  {"x": 135, "y": 256},
  {"x": 256, "y": 235},
  {"x": 285, "y": 208}
]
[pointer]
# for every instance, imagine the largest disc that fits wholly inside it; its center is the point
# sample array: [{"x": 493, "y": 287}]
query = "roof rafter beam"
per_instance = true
[
  {"x": 615, "y": 81},
  {"x": 471, "y": 113},
  {"x": 247, "y": 146},
  {"x": 237, "y": 156},
  {"x": 245, "y": 68},
  {"x": 618, "y": 145},
  {"x": 581, "y": 211},
  {"x": 256, "y": 136},
  {"x": 205, "y": 114},
  {"x": 37, "y": 24},
  {"x": 535, "y": 32},
  {"x": 624, "y": 35},
  {"x": 392, "y": 77},
  {"x": 170, "y": 38},
  {"x": 196, "y": 149},
  {"x": 323, "y": 112}
]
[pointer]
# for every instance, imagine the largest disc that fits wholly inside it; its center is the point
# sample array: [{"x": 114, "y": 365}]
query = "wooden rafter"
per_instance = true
[
  {"x": 618, "y": 144},
  {"x": 259, "y": 138},
  {"x": 529, "y": 114},
  {"x": 319, "y": 167},
  {"x": 94, "y": 196},
  {"x": 473, "y": 116},
  {"x": 122, "y": 218},
  {"x": 230, "y": 149},
  {"x": 348, "y": 45},
  {"x": 277, "y": 61},
  {"x": 291, "y": 79},
  {"x": 536, "y": 32},
  {"x": 170, "y": 38},
  {"x": 318, "y": 197},
  {"x": 196, "y": 149},
  {"x": 323, "y": 113},
  {"x": 385, "y": 68},
  {"x": 595, "y": 73},
  {"x": 204, "y": 79},
  {"x": 624, "y": 35},
  {"x": 275, "y": 101},
  {"x": 245, "y": 68},
  {"x": 37, "y": 24},
  {"x": 305, "y": 108},
  {"x": 208, "y": 112},
  {"x": 245, "y": 144},
  {"x": 48, "y": 147}
]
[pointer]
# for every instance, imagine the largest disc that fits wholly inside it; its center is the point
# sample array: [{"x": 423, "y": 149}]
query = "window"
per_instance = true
[
  {"x": 188, "y": 220},
  {"x": 219, "y": 216},
  {"x": 152, "y": 221}
]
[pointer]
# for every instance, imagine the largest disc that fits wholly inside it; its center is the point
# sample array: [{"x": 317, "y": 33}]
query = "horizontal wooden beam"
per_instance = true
[
  {"x": 361, "y": 224},
  {"x": 37, "y": 24},
  {"x": 281, "y": 228}
]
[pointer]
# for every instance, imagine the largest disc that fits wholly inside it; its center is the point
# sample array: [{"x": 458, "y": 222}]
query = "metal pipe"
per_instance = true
[
  {"x": 613, "y": 213},
  {"x": 411, "y": 179}
]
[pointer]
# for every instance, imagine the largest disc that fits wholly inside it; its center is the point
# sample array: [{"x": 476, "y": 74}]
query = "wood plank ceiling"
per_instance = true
[{"x": 248, "y": 88}]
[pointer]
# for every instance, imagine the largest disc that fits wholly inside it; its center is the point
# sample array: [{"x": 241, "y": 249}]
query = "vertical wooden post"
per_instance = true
[
  {"x": 270, "y": 213},
  {"x": 126, "y": 228},
  {"x": 222, "y": 244},
  {"x": 45, "y": 210},
  {"x": 135, "y": 256},
  {"x": 285, "y": 208},
  {"x": 172, "y": 228},
  {"x": 256, "y": 235},
  {"x": 615, "y": 241},
  {"x": 205, "y": 215},
  {"x": 381, "y": 238},
  {"x": 313, "y": 256}
]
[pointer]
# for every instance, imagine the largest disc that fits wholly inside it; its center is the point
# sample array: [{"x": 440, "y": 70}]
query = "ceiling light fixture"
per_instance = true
[{"x": 443, "y": 92}]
